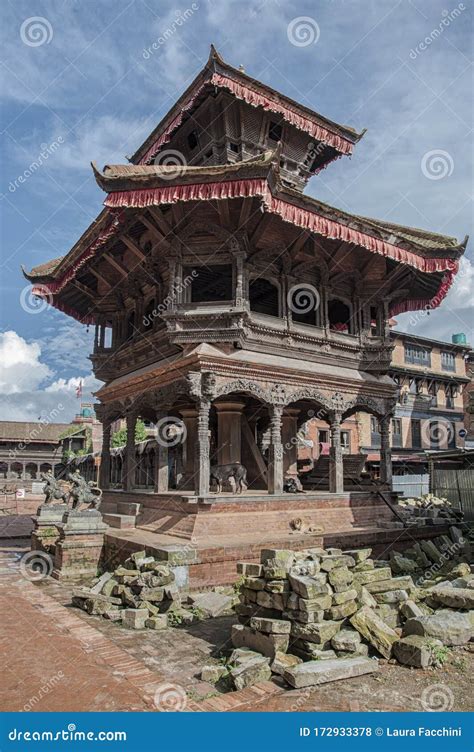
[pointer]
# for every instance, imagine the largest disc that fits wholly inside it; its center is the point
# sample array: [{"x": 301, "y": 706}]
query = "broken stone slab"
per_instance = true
[
  {"x": 266, "y": 644},
  {"x": 343, "y": 611},
  {"x": 366, "y": 599},
  {"x": 395, "y": 583},
  {"x": 212, "y": 604},
  {"x": 98, "y": 597},
  {"x": 275, "y": 570},
  {"x": 97, "y": 588},
  {"x": 275, "y": 601},
  {"x": 308, "y": 587},
  {"x": 124, "y": 572},
  {"x": 113, "y": 614},
  {"x": 372, "y": 575},
  {"x": 153, "y": 595},
  {"x": 362, "y": 650},
  {"x": 374, "y": 630},
  {"x": 270, "y": 626},
  {"x": 391, "y": 596},
  {"x": 415, "y": 650},
  {"x": 343, "y": 597},
  {"x": 333, "y": 551},
  {"x": 409, "y": 609},
  {"x": 308, "y": 567},
  {"x": 277, "y": 586},
  {"x": 335, "y": 561},
  {"x": 159, "y": 621},
  {"x": 347, "y": 639},
  {"x": 318, "y": 603},
  {"x": 314, "y": 673},
  {"x": 284, "y": 556},
  {"x": 307, "y": 617},
  {"x": 134, "y": 618},
  {"x": 309, "y": 651},
  {"x": 320, "y": 633},
  {"x": 249, "y": 569},
  {"x": 431, "y": 551},
  {"x": 212, "y": 673},
  {"x": 364, "y": 566},
  {"x": 460, "y": 598},
  {"x": 241, "y": 655},
  {"x": 359, "y": 554},
  {"x": 451, "y": 627},
  {"x": 340, "y": 578},
  {"x": 389, "y": 613},
  {"x": 251, "y": 672},
  {"x": 254, "y": 583},
  {"x": 401, "y": 565},
  {"x": 282, "y": 661}
]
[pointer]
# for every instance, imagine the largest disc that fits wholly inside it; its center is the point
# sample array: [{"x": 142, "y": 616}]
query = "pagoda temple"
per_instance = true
[{"x": 197, "y": 275}]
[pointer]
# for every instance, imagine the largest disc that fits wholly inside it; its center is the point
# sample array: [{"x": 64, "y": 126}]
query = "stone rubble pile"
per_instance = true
[
  {"x": 319, "y": 615},
  {"x": 428, "y": 509},
  {"x": 140, "y": 594}
]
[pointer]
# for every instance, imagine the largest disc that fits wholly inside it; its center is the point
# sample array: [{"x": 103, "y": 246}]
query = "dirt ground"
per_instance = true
[{"x": 59, "y": 658}]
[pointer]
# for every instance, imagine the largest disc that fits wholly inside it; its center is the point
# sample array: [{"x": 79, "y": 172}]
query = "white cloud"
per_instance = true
[
  {"x": 25, "y": 393},
  {"x": 21, "y": 369}
]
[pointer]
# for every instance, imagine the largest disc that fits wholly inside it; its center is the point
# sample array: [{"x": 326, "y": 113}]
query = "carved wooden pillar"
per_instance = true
[
  {"x": 239, "y": 280},
  {"x": 229, "y": 431},
  {"x": 128, "y": 467},
  {"x": 202, "y": 449},
  {"x": 171, "y": 296},
  {"x": 189, "y": 417},
  {"x": 290, "y": 441},
  {"x": 385, "y": 451},
  {"x": 104, "y": 472},
  {"x": 275, "y": 452},
  {"x": 336, "y": 467},
  {"x": 161, "y": 456}
]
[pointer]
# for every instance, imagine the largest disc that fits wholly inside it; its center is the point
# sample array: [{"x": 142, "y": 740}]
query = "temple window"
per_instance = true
[
  {"x": 275, "y": 131},
  {"x": 339, "y": 316},
  {"x": 209, "y": 284},
  {"x": 415, "y": 429},
  {"x": 264, "y": 297},
  {"x": 193, "y": 140},
  {"x": 376, "y": 321}
]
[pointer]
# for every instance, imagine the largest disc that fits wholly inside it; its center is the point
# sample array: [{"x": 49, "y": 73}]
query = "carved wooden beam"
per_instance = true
[
  {"x": 338, "y": 255},
  {"x": 259, "y": 230},
  {"x": 133, "y": 247},
  {"x": 116, "y": 264},
  {"x": 160, "y": 220},
  {"x": 245, "y": 210},
  {"x": 157, "y": 234},
  {"x": 84, "y": 289},
  {"x": 99, "y": 276},
  {"x": 223, "y": 211}
]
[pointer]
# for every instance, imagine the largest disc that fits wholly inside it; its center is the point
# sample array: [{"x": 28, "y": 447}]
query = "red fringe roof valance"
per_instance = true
[{"x": 255, "y": 99}]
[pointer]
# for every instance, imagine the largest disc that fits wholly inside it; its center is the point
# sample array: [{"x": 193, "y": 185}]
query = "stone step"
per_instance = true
[
  {"x": 120, "y": 521},
  {"x": 128, "y": 508}
]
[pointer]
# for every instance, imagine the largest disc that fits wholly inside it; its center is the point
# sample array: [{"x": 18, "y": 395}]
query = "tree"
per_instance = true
[{"x": 119, "y": 438}]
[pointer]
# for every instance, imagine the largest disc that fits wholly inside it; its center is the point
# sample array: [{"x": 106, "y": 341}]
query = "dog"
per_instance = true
[{"x": 222, "y": 473}]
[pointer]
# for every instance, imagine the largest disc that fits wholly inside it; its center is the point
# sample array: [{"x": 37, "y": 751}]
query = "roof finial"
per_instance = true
[{"x": 241, "y": 69}]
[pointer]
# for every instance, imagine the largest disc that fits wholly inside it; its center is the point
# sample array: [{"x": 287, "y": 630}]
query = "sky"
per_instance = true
[{"x": 83, "y": 81}]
